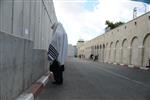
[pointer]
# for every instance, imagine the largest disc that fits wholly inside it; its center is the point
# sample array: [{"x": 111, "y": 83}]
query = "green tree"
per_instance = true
[{"x": 112, "y": 25}]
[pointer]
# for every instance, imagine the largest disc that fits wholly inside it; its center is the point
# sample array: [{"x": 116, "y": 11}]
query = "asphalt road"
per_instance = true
[{"x": 87, "y": 80}]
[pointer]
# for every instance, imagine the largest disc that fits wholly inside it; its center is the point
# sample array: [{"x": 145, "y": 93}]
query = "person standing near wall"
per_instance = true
[{"x": 57, "y": 52}]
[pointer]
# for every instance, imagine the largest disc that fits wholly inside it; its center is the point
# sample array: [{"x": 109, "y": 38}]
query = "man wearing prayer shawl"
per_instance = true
[{"x": 57, "y": 52}]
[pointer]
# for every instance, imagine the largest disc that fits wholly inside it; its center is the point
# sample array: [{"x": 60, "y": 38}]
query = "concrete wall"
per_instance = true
[
  {"x": 40, "y": 63},
  {"x": 30, "y": 19},
  {"x": 25, "y": 34},
  {"x": 20, "y": 65},
  {"x": 128, "y": 44}
]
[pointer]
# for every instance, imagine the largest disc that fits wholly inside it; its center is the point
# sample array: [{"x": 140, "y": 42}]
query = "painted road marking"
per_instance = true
[{"x": 124, "y": 77}]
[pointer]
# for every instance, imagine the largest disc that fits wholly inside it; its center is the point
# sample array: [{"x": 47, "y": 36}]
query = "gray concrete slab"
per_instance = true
[
  {"x": 30, "y": 19},
  {"x": 84, "y": 80},
  {"x": 20, "y": 65},
  {"x": 40, "y": 65},
  {"x": 12, "y": 66},
  {"x": 6, "y": 16}
]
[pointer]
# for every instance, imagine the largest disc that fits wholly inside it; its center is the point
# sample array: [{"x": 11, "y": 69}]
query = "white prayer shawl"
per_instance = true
[{"x": 59, "y": 45}]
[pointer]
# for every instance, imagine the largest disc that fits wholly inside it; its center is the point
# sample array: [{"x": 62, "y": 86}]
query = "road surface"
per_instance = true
[{"x": 88, "y": 80}]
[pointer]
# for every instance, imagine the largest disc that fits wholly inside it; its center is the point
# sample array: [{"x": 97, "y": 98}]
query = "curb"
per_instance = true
[
  {"x": 130, "y": 66},
  {"x": 26, "y": 96},
  {"x": 136, "y": 67},
  {"x": 36, "y": 88},
  {"x": 145, "y": 68}
]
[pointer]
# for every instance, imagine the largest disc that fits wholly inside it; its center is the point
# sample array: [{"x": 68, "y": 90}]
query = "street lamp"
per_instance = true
[
  {"x": 145, "y": 7},
  {"x": 134, "y": 12}
]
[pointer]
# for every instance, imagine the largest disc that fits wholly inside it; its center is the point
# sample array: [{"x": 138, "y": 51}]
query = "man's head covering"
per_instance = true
[{"x": 59, "y": 44}]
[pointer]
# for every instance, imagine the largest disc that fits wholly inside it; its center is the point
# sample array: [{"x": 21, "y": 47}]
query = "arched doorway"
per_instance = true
[
  {"x": 97, "y": 49},
  {"x": 124, "y": 52},
  {"x": 146, "y": 54},
  {"x": 111, "y": 52},
  {"x": 117, "y": 52},
  {"x": 100, "y": 53},
  {"x": 103, "y": 53},
  {"x": 106, "y": 53},
  {"x": 134, "y": 51}
]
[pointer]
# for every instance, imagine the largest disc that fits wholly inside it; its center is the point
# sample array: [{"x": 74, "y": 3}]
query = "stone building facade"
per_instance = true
[{"x": 128, "y": 44}]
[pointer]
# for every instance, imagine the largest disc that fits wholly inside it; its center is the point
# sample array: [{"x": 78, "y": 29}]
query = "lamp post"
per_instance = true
[
  {"x": 134, "y": 12},
  {"x": 145, "y": 7}
]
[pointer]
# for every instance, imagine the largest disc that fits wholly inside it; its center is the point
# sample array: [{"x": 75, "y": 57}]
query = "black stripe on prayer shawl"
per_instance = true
[{"x": 52, "y": 52}]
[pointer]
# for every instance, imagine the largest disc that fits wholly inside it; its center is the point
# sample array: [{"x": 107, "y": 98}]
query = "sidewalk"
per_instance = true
[{"x": 36, "y": 88}]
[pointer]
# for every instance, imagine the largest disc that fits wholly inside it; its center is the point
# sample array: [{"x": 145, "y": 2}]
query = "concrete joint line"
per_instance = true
[{"x": 28, "y": 96}]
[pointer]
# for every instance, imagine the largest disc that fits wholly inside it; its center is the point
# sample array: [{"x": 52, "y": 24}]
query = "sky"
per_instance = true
[{"x": 85, "y": 19}]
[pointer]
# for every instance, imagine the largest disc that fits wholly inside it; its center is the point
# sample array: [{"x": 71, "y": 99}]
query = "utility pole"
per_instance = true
[
  {"x": 134, "y": 12},
  {"x": 145, "y": 7}
]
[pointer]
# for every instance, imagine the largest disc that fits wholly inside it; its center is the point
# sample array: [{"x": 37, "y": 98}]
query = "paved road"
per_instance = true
[{"x": 87, "y": 80}]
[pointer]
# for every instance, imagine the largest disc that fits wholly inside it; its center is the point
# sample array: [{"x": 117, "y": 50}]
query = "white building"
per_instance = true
[
  {"x": 72, "y": 51},
  {"x": 128, "y": 44}
]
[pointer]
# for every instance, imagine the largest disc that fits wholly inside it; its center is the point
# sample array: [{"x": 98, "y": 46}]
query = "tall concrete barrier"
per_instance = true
[
  {"x": 25, "y": 34},
  {"x": 20, "y": 65}
]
